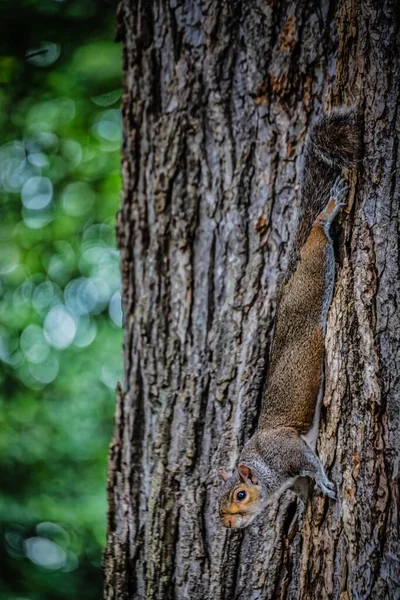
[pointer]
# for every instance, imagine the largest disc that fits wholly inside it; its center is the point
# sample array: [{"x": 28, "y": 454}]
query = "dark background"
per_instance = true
[{"x": 60, "y": 315}]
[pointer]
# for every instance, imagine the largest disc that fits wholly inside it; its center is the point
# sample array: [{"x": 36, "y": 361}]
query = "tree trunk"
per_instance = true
[{"x": 218, "y": 98}]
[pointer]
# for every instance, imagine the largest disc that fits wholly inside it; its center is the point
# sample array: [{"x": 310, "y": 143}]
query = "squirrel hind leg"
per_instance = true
[
  {"x": 339, "y": 191},
  {"x": 335, "y": 204}
]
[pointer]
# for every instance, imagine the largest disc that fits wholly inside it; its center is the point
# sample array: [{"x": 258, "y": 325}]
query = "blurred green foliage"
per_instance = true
[{"x": 60, "y": 309}]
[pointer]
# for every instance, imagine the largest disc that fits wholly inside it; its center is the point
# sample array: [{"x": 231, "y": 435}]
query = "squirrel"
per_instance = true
[{"x": 282, "y": 449}]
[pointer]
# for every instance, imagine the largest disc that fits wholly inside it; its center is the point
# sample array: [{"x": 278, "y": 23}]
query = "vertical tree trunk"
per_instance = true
[{"x": 218, "y": 98}]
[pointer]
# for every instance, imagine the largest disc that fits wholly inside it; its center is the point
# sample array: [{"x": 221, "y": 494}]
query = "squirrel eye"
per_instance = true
[{"x": 241, "y": 495}]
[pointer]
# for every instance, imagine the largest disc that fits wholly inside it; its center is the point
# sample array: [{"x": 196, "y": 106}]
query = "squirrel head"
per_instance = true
[{"x": 241, "y": 498}]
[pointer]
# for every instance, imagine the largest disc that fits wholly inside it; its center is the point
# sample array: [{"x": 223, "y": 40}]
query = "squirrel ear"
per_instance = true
[
  {"x": 223, "y": 474},
  {"x": 247, "y": 475}
]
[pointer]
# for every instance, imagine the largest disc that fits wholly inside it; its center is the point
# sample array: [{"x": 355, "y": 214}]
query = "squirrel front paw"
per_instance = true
[{"x": 326, "y": 487}]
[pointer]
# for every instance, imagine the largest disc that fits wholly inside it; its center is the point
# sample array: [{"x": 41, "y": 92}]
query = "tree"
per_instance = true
[{"x": 218, "y": 98}]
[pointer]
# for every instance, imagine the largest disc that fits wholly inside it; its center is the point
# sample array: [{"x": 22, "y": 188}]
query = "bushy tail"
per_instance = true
[{"x": 332, "y": 143}]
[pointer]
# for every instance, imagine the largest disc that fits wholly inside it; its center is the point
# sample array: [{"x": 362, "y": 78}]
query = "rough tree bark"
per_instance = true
[{"x": 218, "y": 98}]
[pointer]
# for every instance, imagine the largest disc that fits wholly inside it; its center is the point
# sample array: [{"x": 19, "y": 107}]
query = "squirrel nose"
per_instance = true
[{"x": 228, "y": 521}]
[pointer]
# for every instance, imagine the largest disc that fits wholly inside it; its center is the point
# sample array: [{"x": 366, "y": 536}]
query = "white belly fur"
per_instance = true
[{"x": 311, "y": 436}]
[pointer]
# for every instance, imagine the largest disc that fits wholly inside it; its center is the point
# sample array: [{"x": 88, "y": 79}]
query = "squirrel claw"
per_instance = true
[
  {"x": 339, "y": 190},
  {"x": 329, "y": 484},
  {"x": 327, "y": 488}
]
